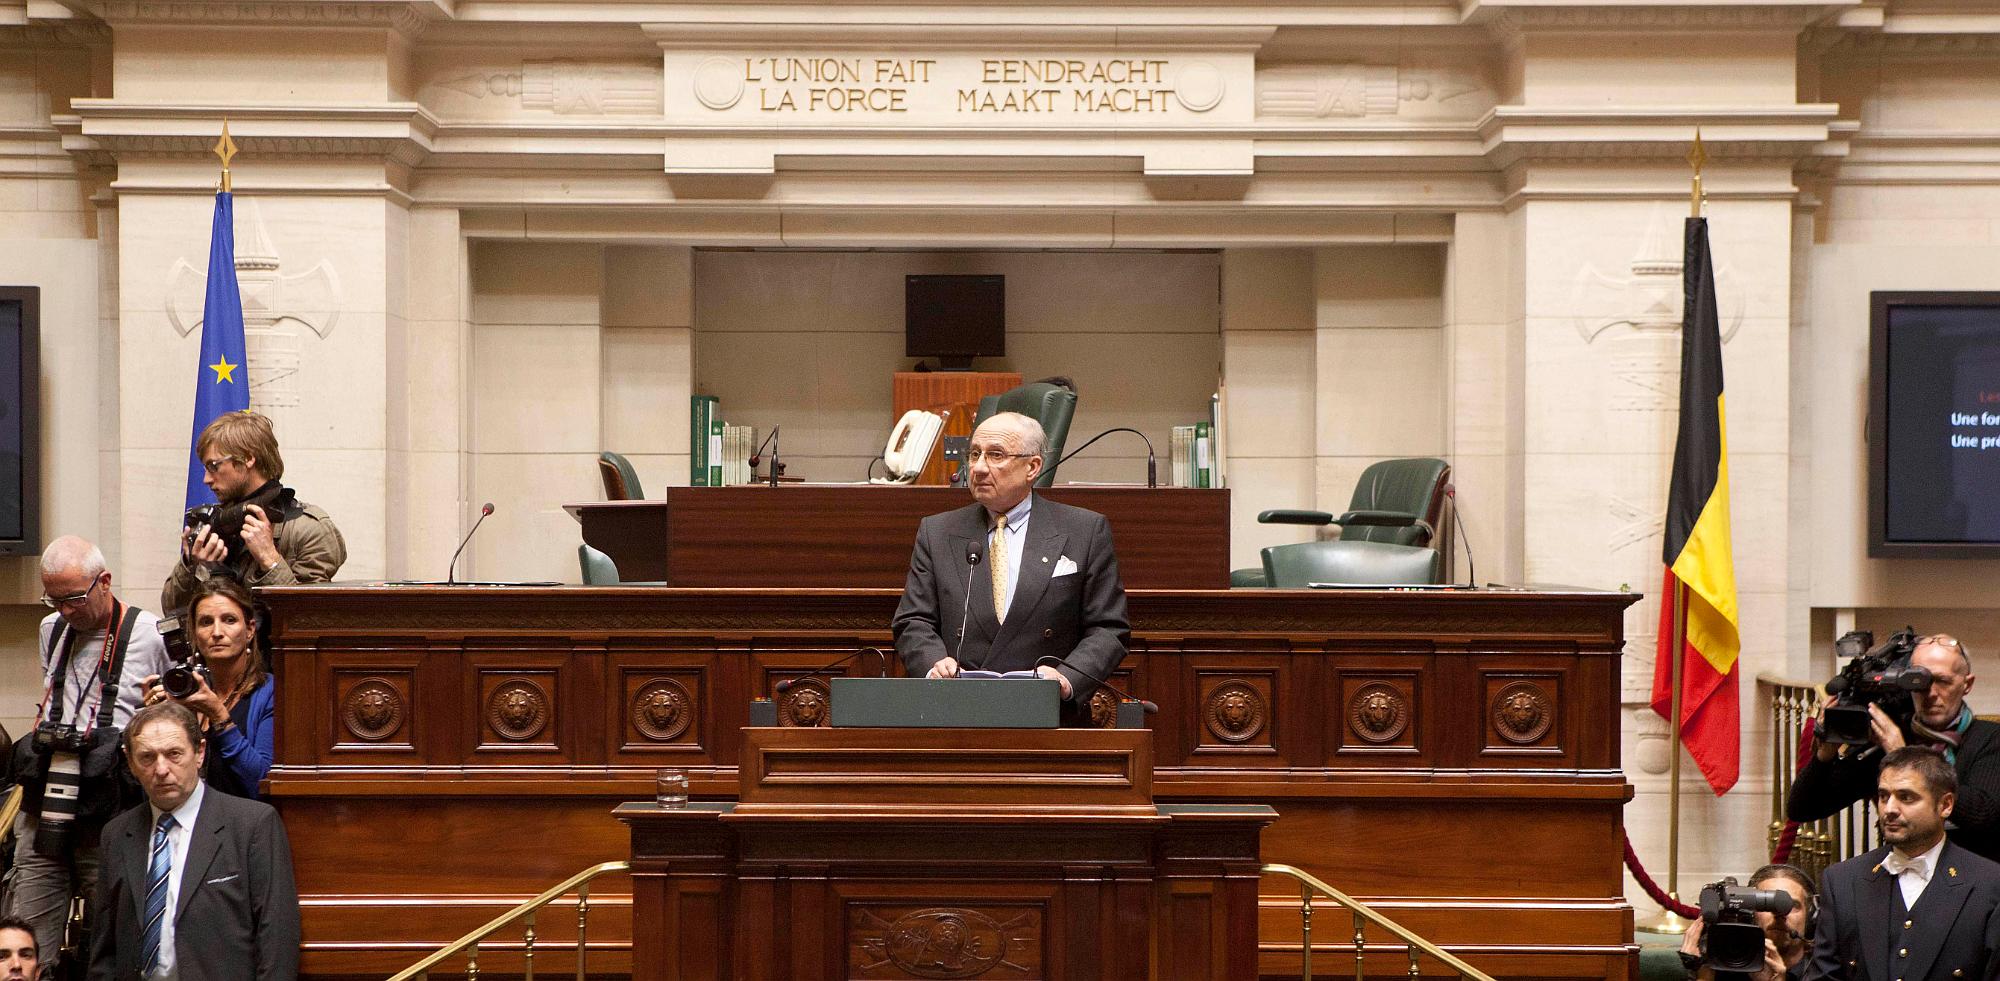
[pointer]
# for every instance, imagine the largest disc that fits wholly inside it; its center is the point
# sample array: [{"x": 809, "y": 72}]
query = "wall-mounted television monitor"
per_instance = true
[
  {"x": 1934, "y": 425},
  {"x": 955, "y": 319},
  {"x": 20, "y": 420}
]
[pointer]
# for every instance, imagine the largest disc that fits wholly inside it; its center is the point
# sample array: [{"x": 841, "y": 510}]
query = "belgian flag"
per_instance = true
[{"x": 1697, "y": 554}]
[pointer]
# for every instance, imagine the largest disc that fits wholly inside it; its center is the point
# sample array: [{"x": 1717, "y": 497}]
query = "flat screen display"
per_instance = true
[
  {"x": 1934, "y": 425},
  {"x": 20, "y": 420},
  {"x": 955, "y": 318}
]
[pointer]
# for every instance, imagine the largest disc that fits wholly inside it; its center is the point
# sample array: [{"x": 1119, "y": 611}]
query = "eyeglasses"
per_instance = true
[
  {"x": 1942, "y": 640},
  {"x": 994, "y": 457},
  {"x": 60, "y": 602},
  {"x": 216, "y": 464}
]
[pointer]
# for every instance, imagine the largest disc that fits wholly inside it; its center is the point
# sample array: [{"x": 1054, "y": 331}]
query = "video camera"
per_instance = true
[
  {"x": 1731, "y": 940},
  {"x": 1876, "y": 675},
  {"x": 189, "y": 670}
]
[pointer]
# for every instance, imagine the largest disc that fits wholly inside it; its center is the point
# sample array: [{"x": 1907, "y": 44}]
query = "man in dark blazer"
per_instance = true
[
  {"x": 1014, "y": 577},
  {"x": 193, "y": 885},
  {"x": 1920, "y": 909},
  {"x": 1837, "y": 776}
]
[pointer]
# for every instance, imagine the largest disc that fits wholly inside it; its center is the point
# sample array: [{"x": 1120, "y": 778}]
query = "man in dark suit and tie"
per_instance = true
[
  {"x": 1921, "y": 909},
  {"x": 193, "y": 885},
  {"x": 1013, "y": 578}
]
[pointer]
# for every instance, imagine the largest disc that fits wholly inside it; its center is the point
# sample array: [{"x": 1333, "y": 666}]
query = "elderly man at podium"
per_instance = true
[{"x": 1014, "y": 579}]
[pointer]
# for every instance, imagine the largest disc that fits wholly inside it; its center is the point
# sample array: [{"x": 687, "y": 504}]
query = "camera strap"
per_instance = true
[{"x": 110, "y": 665}]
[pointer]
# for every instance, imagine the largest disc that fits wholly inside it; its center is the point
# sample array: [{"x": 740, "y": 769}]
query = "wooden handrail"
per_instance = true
[
  {"x": 1310, "y": 884},
  {"x": 471, "y": 940}
]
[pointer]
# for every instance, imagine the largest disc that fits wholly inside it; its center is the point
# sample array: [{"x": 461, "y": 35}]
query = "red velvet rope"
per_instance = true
[{"x": 1682, "y": 910}]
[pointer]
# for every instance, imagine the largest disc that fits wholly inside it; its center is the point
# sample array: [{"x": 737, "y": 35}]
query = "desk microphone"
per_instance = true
[
  {"x": 1458, "y": 521},
  {"x": 1151, "y": 708},
  {"x": 770, "y": 440},
  {"x": 1152, "y": 467},
  {"x": 451, "y": 574},
  {"x": 786, "y": 685},
  {"x": 965, "y": 609}
]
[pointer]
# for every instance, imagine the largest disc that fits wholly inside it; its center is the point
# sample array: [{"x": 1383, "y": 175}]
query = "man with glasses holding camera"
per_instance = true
[
  {"x": 1013, "y": 581},
  {"x": 259, "y": 529},
  {"x": 1839, "y": 775},
  {"x": 95, "y": 649}
]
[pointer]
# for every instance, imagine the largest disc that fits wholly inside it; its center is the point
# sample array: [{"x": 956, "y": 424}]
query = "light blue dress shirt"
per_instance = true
[{"x": 1017, "y": 544}]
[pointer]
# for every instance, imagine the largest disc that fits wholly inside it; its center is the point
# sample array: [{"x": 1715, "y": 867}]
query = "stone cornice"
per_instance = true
[
  {"x": 689, "y": 35},
  {"x": 1515, "y": 133},
  {"x": 404, "y": 16},
  {"x": 397, "y": 132},
  {"x": 1511, "y": 18},
  {"x": 1229, "y": 13}
]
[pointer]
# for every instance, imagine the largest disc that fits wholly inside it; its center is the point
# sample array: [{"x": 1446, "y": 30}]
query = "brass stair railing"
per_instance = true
[
  {"x": 525, "y": 914},
  {"x": 1831, "y": 839},
  {"x": 1416, "y": 946}
]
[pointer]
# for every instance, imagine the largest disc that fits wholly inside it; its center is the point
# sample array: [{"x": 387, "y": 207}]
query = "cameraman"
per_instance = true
[
  {"x": 260, "y": 531},
  {"x": 1786, "y": 941},
  {"x": 1840, "y": 775},
  {"x": 234, "y": 695},
  {"x": 95, "y": 649}
]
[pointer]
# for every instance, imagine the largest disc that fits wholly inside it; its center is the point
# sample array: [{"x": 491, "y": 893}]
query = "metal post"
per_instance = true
[
  {"x": 1360, "y": 967},
  {"x": 582, "y": 928},
  {"x": 1670, "y": 922},
  {"x": 1306, "y": 915},
  {"x": 528, "y": 950}
]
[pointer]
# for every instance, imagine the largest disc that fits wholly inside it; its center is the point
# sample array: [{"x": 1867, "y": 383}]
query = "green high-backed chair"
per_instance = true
[
  {"x": 621, "y": 482},
  {"x": 1351, "y": 564},
  {"x": 600, "y": 569},
  {"x": 1398, "y": 502},
  {"x": 1051, "y": 405}
]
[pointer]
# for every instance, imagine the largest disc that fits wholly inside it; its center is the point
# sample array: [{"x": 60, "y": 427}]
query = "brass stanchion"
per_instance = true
[{"x": 1668, "y": 921}]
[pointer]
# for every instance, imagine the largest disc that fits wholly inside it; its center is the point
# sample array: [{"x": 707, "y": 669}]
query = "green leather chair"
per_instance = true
[
  {"x": 621, "y": 482},
  {"x": 1395, "y": 502},
  {"x": 598, "y": 569},
  {"x": 1051, "y": 405},
  {"x": 1351, "y": 563}
]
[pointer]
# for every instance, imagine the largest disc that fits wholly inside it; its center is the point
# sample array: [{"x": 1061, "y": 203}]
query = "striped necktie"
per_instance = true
[{"x": 156, "y": 891}]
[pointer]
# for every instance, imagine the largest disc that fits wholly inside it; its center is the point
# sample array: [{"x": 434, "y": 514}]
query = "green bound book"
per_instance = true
[
  {"x": 1203, "y": 464},
  {"x": 715, "y": 452}
]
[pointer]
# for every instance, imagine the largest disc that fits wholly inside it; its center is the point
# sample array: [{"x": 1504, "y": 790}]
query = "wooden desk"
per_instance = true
[
  {"x": 1450, "y": 756},
  {"x": 834, "y": 536}
]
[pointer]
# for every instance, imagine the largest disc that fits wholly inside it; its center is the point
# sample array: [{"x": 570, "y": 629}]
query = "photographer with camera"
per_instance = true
[
  {"x": 95, "y": 649},
  {"x": 258, "y": 529},
  {"x": 1921, "y": 908},
  {"x": 1908, "y": 691},
  {"x": 222, "y": 679},
  {"x": 1743, "y": 933}
]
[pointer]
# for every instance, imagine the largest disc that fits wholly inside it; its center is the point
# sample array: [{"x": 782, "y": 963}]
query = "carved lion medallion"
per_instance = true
[
  {"x": 1234, "y": 712},
  {"x": 1103, "y": 710},
  {"x": 518, "y": 710},
  {"x": 1378, "y": 712},
  {"x": 661, "y": 710},
  {"x": 373, "y": 710},
  {"x": 804, "y": 705},
  {"x": 1522, "y": 714}
]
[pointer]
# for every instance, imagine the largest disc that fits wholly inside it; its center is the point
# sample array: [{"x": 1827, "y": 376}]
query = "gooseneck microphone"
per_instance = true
[
  {"x": 451, "y": 574},
  {"x": 770, "y": 440},
  {"x": 1150, "y": 707},
  {"x": 1152, "y": 466},
  {"x": 965, "y": 609},
  {"x": 786, "y": 685},
  {"x": 1458, "y": 521}
]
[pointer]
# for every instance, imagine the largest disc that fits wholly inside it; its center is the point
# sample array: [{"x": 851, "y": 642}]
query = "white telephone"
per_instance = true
[{"x": 910, "y": 444}]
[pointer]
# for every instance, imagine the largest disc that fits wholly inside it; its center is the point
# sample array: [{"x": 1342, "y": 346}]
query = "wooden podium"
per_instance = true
[{"x": 945, "y": 853}]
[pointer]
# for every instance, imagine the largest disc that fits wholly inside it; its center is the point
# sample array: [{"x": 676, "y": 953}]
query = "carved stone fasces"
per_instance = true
[{"x": 566, "y": 88}]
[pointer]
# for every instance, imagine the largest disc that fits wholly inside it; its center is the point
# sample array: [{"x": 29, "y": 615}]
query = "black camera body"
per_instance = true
[
  {"x": 189, "y": 670},
  {"x": 1731, "y": 940},
  {"x": 55, "y": 737},
  {"x": 1876, "y": 675}
]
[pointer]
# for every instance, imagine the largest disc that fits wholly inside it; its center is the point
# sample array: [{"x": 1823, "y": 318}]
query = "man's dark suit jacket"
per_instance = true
[
  {"x": 1953, "y": 935},
  {"x": 1080, "y": 616},
  {"x": 238, "y": 917},
  {"x": 1823, "y": 789}
]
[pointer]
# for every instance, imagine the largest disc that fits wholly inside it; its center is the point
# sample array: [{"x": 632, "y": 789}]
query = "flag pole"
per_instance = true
[{"x": 1670, "y": 922}]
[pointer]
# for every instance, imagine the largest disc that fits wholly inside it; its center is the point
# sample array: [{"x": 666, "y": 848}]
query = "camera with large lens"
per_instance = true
[
  {"x": 225, "y": 520},
  {"x": 1731, "y": 940},
  {"x": 1879, "y": 675},
  {"x": 54, "y": 737},
  {"x": 189, "y": 670}
]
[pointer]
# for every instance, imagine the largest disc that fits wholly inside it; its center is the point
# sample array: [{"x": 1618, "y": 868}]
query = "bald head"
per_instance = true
[
  {"x": 70, "y": 554},
  {"x": 1031, "y": 439}
]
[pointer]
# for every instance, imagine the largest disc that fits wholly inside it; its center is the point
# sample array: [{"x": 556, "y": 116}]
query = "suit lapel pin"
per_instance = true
[
  {"x": 1953, "y": 870},
  {"x": 1045, "y": 560},
  {"x": 1877, "y": 868}
]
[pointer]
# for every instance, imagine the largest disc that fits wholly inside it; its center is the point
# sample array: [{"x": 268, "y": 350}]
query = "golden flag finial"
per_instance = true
[
  {"x": 225, "y": 148},
  {"x": 1696, "y": 157}
]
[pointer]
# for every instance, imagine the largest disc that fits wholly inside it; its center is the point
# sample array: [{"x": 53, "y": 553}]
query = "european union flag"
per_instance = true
[{"x": 222, "y": 383}]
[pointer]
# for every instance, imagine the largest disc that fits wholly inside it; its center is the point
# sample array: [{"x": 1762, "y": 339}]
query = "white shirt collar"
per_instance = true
[
  {"x": 1924, "y": 865},
  {"x": 185, "y": 814}
]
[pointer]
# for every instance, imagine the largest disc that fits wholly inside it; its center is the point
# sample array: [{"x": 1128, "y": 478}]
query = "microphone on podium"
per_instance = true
[
  {"x": 451, "y": 574},
  {"x": 1150, "y": 707},
  {"x": 1152, "y": 466}
]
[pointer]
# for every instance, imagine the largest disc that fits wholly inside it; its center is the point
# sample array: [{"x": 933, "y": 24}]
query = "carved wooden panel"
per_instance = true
[
  {"x": 1376, "y": 713},
  {"x": 1523, "y": 714},
  {"x": 1236, "y": 712},
  {"x": 1103, "y": 704},
  {"x": 944, "y": 940},
  {"x": 374, "y": 711},
  {"x": 518, "y": 711},
  {"x": 662, "y": 710}
]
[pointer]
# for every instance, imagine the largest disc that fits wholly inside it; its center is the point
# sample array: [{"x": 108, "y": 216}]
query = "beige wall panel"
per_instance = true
[
  {"x": 535, "y": 388},
  {"x": 1271, "y": 394},
  {"x": 536, "y": 283},
  {"x": 1380, "y": 286},
  {"x": 648, "y": 286},
  {"x": 224, "y": 65},
  {"x": 1380, "y": 392},
  {"x": 645, "y": 376},
  {"x": 1258, "y": 484},
  {"x": 1267, "y": 289},
  {"x": 530, "y": 537},
  {"x": 73, "y": 398},
  {"x": 1730, "y": 67}
]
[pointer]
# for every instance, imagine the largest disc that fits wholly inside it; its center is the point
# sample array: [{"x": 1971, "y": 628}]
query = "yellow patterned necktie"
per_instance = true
[{"x": 999, "y": 553}]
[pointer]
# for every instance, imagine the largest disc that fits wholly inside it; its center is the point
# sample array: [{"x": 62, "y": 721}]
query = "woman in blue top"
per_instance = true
[{"x": 235, "y": 701}]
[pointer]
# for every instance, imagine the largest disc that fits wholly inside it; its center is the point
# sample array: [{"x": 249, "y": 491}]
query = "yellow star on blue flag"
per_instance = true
[{"x": 224, "y": 371}]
